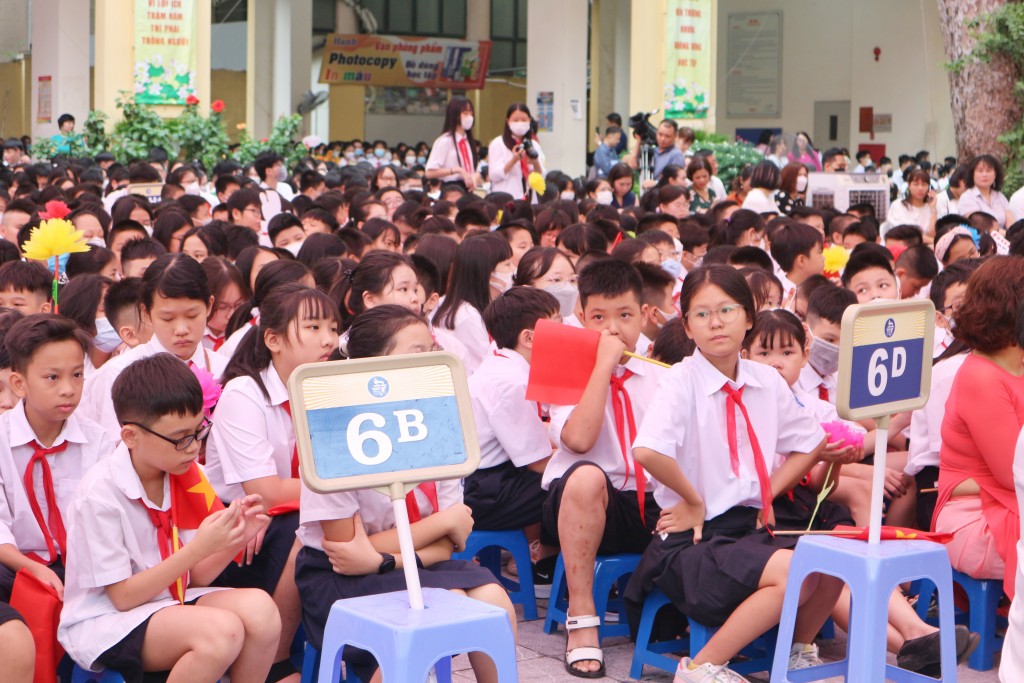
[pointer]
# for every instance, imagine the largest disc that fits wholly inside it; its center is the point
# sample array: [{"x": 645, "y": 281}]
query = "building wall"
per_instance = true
[{"x": 827, "y": 54}]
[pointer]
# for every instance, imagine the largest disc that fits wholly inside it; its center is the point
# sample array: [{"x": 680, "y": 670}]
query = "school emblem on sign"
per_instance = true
[
  {"x": 378, "y": 387},
  {"x": 890, "y": 327}
]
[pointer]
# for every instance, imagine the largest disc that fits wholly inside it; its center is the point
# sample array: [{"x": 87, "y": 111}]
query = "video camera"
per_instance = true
[
  {"x": 529, "y": 149},
  {"x": 643, "y": 128}
]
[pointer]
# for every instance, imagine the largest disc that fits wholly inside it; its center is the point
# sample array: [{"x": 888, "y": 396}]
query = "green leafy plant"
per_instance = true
[
  {"x": 201, "y": 138},
  {"x": 732, "y": 156},
  {"x": 95, "y": 132},
  {"x": 139, "y": 130},
  {"x": 281, "y": 140},
  {"x": 43, "y": 148}
]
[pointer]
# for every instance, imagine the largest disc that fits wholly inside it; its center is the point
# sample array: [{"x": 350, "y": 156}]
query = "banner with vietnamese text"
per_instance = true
[
  {"x": 404, "y": 61},
  {"x": 165, "y": 51},
  {"x": 687, "y": 80}
]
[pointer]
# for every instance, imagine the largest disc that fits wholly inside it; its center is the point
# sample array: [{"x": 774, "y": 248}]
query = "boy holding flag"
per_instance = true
[{"x": 147, "y": 534}]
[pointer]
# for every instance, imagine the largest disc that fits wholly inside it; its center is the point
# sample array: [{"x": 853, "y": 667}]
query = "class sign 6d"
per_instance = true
[
  {"x": 885, "y": 358},
  {"x": 372, "y": 422}
]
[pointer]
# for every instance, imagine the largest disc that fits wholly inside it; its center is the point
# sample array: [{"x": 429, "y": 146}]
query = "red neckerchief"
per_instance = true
[
  {"x": 411, "y": 504},
  {"x": 622, "y": 406},
  {"x": 464, "y": 156},
  {"x": 53, "y": 527},
  {"x": 161, "y": 519},
  {"x": 733, "y": 400},
  {"x": 295, "y": 451}
]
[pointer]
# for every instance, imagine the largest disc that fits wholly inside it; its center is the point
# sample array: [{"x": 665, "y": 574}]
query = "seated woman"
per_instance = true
[{"x": 984, "y": 414}]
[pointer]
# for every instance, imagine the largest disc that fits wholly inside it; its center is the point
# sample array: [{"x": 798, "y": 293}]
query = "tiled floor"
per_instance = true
[{"x": 540, "y": 659}]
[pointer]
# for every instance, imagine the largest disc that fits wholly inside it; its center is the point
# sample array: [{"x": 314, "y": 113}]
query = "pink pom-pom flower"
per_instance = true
[
  {"x": 210, "y": 386},
  {"x": 839, "y": 429}
]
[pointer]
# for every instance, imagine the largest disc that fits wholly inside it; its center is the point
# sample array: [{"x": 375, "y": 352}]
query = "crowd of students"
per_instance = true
[{"x": 238, "y": 281}]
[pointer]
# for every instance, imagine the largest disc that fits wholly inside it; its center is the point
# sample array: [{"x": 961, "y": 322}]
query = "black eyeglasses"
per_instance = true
[{"x": 184, "y": 442}]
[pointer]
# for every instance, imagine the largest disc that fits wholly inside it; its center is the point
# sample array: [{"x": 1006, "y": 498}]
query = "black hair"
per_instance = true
[
  {"x": 805, "y": 288},
  {"x": 247, "y": 258},
  {"x": 8, "y": 316},
  {"x": 318, "y": 246},
  {"x": 175, "y": 276},
  {"x": 506, "y": 134},
  {"x": 726, "y": 278},
  {"x": 283, "y": 308},
  {"x": 582, "y": 237},
  {"x": 751, "y": 257},
  {"x": 920, "y": 261},
  {"x": 989, "y": 160},
  {"x": 829, "y": 303},
  {"x": 135, "y": 401},
  {"x": 264, "y": 161},
  {"x": 440, "y": 249},
  {"x": 865, "y": 260},
  {"x": 374, "y": 274},
  {"x": 64, "y": 118},
  {"x": 778, "y": 323},
  {"x": 535, "y": 264},
  {"x": 373, "y": 332},
  {"x": 169, "y": 222},
  {"x": 126, "y": 225},
  {"x": 375, "y": 227},
  {"x": 656, "y": 280},
  {"x": 80, "y": 298},
  {"x": 426, "y": 274},
  {"x": 630, "y": 250},
  {"x": 87, "y": 262},
  {"x": 731, "y": 229},
  {"x": 863, "y": 228},
  {"x": 910, "y": 234},
  {"x": 27, "y": 336},
  {"x": 26, "y": 276},
  {"x": 453, "y": 117},
  {"x": 516, "y": 310},
  {"x": 609, "y": 278},
  {"x": 766, "y": 175},
  {"x": 280, "y": 223},
  {"x": 271, "y": 276},
  {"x": 672, "y": 344},
  {"x": 793, "y": 240},
  {"x": 953, "y": 274},
  {"x": 142, "y": 248},
  {"x": 355, "y": 240},
  {"x": 761, "y": 283},
  {"x": 469, "y": 283},
  {"x": 122, "y": 297}
]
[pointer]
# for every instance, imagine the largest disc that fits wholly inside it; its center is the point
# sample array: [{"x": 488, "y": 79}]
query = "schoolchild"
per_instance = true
[
  {"x": 825, "y": 308},
  {"x": 123, "y": 306},
  {"x": 229, "y": 291},
  {"x": 8, "y": 399},
  {"x": 26, "y": 286}
]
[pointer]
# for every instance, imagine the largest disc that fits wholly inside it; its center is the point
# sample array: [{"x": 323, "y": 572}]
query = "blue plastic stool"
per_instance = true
[
  {"x": 872, "y": 572},
  {"x": 407, "y": 642},
  {"x": 983, "y": 597},
  {"x": 608, "y": 570},
  {"x": 758, "y": 654},
  {"x": 311, "y": 662},
  {"x": 487, "y": 545},
  {"x": 80, "y": 675}
]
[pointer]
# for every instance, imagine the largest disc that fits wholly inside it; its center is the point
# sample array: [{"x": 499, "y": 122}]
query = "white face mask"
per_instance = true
[
  {"x": 434, "y": 195},
  {"x": 801, "y": 183},
  {"x": 410, "y": 161},
  {"x": 669, "y": 316},
  {"x": 96, "y": 242},
  {"x": 518, "y": 128},
  {"x": 282, "y": 174},
  {"x": 604, "y": 197},
  {"x": 294, "y": 248},
  {"x": 501, "y": 281},
  {"x": 567, "y": 295},
  {"x": 823, "y": 356},
  {"x": 106, "y": 339},
  {"x": 568, "y": 195},
  {"x": 467, "y": 121}
]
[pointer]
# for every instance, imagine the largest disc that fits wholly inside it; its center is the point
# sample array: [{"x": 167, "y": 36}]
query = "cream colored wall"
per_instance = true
[
  {"x": 14, "y": 99},
  {"x": 827, "y": 55},
  {"x": 229, "y": 86}
]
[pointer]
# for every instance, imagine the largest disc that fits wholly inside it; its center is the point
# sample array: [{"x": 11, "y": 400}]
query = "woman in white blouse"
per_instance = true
[
  {"x": 508, "y": 157},
  {"x": 984, "y": 182},
  {"x": 918, "y": 208},
  {"x": 453, "y": 156}
]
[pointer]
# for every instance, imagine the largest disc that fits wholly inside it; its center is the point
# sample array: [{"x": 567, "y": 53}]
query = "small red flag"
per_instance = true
[
  {"x": 892, "y": 533},
  {"x": 38, "y": 603},
  {"x": 561, "y": 363},
  {"x": 192, "y": 498}
]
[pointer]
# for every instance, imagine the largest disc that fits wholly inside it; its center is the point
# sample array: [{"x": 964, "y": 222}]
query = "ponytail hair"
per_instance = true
[
  {"x": 283, "y": 308},
  {"x": 373, "y": 274},
  {"x": 270, "y": 277}
]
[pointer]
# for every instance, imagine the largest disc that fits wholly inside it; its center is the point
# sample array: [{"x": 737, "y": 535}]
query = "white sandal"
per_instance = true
[{"x": 583, "y": 654}]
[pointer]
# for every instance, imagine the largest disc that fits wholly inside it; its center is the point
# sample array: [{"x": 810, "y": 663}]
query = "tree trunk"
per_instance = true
[{"x": 982, "y": 94}]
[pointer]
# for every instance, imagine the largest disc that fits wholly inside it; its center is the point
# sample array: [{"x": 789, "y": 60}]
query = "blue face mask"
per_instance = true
[
  {"x": 421, "y": 160},
  {"x": 379, "y": 153},
  {"x": 106, "y": 339},
  {"x": 359, "y": 152}
]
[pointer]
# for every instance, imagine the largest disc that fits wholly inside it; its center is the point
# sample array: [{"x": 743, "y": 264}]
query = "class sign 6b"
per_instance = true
[
  {"x": 885, "y": 358},
  {"x": 370, "y": 423}
]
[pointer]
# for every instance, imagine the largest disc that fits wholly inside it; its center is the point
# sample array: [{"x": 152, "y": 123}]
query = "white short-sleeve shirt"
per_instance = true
[
  {"x": 607, "y": 452},
  {"x": 444, "y": 153},
  {"x": 508, "y": 426},
  {"x": 926, "y": 422},
  {"x": 469, "y": 334},
  {"x": 687, "y": 421},
  {"x": 87, "y": 445},
  {"x": 810, "y": 381},
  {"x": 110, "y": 539},
  {"x": 375, "y": 508},
  {"x": 97, "y": 401},
  {"x": 252, "y": 437}
]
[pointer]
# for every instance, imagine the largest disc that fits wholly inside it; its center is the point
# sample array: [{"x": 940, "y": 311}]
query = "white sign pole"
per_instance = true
[
  {"x": 405, "y": 544},
  {"x": 878, "y": 479}
]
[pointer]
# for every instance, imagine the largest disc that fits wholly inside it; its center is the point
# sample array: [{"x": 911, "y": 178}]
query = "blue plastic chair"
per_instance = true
[
  {"x": 407, "y": 642},
  {"x": 872, "y": 572},
  {"x": 486, "y": 546},
  {"x": 757, "y": 656},
  {"x": 80, "y": 675},
  {"x": 609, "y": 570},
  {"x": 311, "y": 663},
  {"x": 983, "y": 597}
]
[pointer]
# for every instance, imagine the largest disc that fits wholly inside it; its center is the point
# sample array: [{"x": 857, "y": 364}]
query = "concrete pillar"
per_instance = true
[
  {"x": 347, "y": 109},
  {"x": 609, "y": 62},
  {"x": 279, "y": 54},
  {"x": 60, "y": 52},
  {"x": 647, "y": 63},
  {"x": 556, "y": 61}
]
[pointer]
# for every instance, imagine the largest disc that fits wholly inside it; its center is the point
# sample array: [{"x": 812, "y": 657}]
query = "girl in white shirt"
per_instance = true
[
  {"x": 350, "y": 546},
  {"x": 507, "y": 158},
  {"x": 252, "y": 444},
  {"x": 453, "y": 156},
  {"x": 918, "y": 208},
  {"x": 482, "y": 270},
  {"x": 712, "y": 506},
  {"x": 382, "y": 277}
]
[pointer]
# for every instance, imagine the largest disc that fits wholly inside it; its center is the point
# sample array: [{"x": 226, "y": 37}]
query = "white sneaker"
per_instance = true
[
  {"x": 804, "y": 656},
  {"x": 706, "y": 673}
]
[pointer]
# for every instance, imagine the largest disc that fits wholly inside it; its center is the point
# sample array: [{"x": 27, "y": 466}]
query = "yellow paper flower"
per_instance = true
[
  {"x": 537, "y": 183},
  {"x": 52, "y": 238},
  {"x": 835, "y": 259}
]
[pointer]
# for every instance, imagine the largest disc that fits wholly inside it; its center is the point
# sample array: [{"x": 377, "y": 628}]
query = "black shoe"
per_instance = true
[
  {"x": 924, "y": 655},
  {"x": 543, "y": 575}
]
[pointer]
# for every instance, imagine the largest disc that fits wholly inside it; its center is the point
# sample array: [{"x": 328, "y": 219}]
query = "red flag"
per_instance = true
[
  {"x": 283, "y": 508},
  {"x": 39, "y": 605},
  {"x": 562, "y": 361},
  {"x": 892, "y": 533},
  {"x": 192, "y": 498}
]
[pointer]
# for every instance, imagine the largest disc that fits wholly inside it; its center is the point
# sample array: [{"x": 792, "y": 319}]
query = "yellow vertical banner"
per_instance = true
[
  {"x": 165, "y": 51},
  {"x": 688, "y": 48}
]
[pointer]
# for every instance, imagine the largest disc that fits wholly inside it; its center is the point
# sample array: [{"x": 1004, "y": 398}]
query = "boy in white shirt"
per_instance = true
[
  {"x": 825, "y": 308},
  {"x": 134, "y": 601},
  {"x": 176, "y": 302},
  {"x": 600, "y": 501},
  {"x": 796, "y": 247},
  {"x": 44, "y": 442}
]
